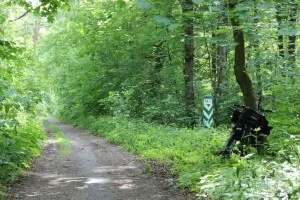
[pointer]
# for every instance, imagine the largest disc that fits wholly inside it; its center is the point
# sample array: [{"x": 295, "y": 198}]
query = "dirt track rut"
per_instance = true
[{"x": 94, "y": 170}]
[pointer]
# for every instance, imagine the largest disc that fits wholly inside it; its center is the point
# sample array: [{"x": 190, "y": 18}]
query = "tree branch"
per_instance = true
[{"x": 20, "y": 17}]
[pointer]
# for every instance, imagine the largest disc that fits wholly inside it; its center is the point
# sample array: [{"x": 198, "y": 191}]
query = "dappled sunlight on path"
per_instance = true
[{"x": 94, "y": 169}]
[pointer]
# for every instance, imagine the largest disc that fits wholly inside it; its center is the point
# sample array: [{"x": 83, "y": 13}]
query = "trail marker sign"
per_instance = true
[{"x": 208, "y": 111}]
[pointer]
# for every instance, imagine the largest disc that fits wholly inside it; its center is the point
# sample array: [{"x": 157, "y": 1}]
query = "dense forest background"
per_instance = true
[
  {"x": 137, "y": 59},
  {"x": 137, "y": 71}
]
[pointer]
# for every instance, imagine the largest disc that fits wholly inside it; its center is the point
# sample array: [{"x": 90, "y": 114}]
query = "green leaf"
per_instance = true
[
  {"x": 2, "y": 19},
  {"x": 121, "y": 3},
  {"x": 66, "y": 7},
  {"x": 25, "y": 164}
]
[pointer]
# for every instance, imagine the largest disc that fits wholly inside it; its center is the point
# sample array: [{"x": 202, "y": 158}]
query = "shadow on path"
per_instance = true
[{"x": 93, "y": 170}]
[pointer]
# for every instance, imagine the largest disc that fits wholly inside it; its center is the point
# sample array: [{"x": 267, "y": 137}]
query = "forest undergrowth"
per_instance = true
[
  {"x": 194, "y": 158},
  {"x": 20, "y": 140},
  {"x": 106, "y": 63}
]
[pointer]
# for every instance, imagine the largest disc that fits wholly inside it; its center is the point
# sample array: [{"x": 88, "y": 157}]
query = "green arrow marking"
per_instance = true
[{"x": 208, "y": 111}]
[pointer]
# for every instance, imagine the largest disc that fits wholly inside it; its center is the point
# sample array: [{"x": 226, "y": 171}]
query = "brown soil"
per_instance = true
[{"x": 93, "y": 170}]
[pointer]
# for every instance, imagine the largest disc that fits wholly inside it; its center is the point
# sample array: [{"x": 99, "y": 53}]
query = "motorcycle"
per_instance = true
[{"x": 250, "y": 128}]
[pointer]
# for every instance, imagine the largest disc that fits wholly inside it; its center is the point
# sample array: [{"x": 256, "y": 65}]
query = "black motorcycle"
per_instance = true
[{"x": 250, "y": 128}]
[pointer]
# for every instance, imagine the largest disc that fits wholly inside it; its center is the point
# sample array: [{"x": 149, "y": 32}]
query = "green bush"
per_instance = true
[
  {"x": 192, "y": 153},
  {"x": 256, "y": 178},
  {"x": 271, "y": 176},
  {"x": 19, "y": 143},
  {"x": 193, "y": 156}
]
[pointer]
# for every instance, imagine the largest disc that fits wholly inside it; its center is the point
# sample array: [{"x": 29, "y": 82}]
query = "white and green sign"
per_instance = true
[{"x": 208, "y": 111}]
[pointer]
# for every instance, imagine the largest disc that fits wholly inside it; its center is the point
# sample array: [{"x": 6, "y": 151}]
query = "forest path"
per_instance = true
[{"x": 92, "y": 170}]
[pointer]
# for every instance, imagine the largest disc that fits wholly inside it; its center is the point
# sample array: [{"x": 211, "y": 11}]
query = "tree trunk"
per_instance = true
[
  {"x": 188, "y": 69},
  {"x": 257, "y": 51},
  {"x": 292, "y": 38},
  {"x": 219, "y": 59},
  {"x": 158, "y": 51},
  {"x": 241, "y": 75},
  {"x": 36, "y": 32},
  {"x": 280, "y": 37}
]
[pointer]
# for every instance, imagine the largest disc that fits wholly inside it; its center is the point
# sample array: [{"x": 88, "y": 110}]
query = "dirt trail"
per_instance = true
[{"x": 94, "y": 170}]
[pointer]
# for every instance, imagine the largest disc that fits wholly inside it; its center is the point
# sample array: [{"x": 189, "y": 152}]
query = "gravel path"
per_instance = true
[{"x": 93, "y": 170}]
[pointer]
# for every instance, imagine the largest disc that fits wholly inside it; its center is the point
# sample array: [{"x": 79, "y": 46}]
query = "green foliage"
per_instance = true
[
  {"x": 123, "y": 59},
  {"x": 45, "y": 8},
  {"x": 8, "y": 50},
  {"x": 49, "y": 9},
  {"x": 276, "y": 174},
  {"x": 192, "y": 153},
  {"x": 21, "y": 134},
  {"x": 193, "y": 156},
  {"x": 286, "y": 105},
  {"x": 19, "y": 143},
  {"x": 114, "y": 63},
  {"x": 274, "y": 177}
]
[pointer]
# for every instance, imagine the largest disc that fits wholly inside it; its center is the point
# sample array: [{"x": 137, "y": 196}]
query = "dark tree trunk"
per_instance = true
[
  {"x": 280, "y": 37},
  {"x": 158, "y": 55},
  {"x": 292, "y": 38},
  {"x": 258, "y": 71},
  {"x": 188, "y": 69},
  {"x": 257, "y": 52},
  {"x": 221, "y": 66},
  {"x": 219, "y": 59},
  {"x": 240, "y": 64}
]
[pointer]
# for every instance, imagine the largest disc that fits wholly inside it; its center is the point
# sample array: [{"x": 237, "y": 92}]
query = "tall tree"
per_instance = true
[
  {"x": 240, "y": 71},
  {"x": 218, "y": 67},
  {"x": 256, "y": 49},
  {"x": 280, "y": 36},
  {"x": 36, "y": 32},
  {"x": 292, "y": 36},
  {"x": 219, "y": 62},
  {"x": 188, "y": 69}
]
